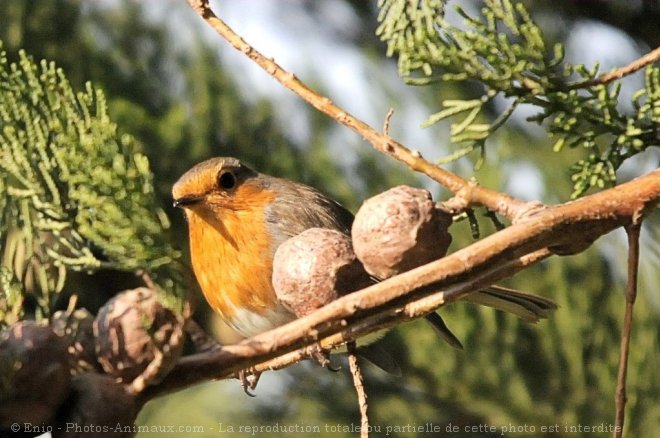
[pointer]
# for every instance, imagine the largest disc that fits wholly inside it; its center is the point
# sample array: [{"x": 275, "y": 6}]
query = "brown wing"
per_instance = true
[{"x": 300, "y": 207}]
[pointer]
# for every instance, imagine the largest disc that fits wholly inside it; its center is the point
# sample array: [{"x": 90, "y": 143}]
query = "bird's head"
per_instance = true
[{"x": 221, "y": 184}]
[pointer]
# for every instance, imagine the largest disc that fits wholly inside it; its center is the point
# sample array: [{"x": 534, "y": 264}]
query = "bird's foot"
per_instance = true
[
  {"x": 249, "y": 380},
  {"x": 322, "y": 357}
]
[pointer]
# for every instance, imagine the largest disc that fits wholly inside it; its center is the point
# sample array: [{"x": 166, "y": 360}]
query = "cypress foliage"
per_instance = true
[
  {"x": 505, "y": 53},
  {"x": 75, "y": 194}
]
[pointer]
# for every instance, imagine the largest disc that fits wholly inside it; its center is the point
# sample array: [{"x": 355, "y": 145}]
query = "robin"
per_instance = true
[{"x": 237, "y": 218}]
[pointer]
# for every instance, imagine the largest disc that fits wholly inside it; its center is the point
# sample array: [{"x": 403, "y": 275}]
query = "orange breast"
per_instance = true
[{"x": 231, "y": 255}]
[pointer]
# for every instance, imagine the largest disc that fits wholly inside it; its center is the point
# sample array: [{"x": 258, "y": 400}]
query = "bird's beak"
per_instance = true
[{"x": 185, "y": 201}]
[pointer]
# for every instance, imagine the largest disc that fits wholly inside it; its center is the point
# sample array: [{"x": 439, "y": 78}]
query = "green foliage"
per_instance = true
[
  {"x": 11, "y": 300},
  {"x": 504, "y": 51},
  {"x": 590, "y": 118},
  {"x": 76, "y": 195},
  {"x": 409, "y": 28}
]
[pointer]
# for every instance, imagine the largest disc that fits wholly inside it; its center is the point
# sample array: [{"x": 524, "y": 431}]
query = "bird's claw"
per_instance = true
[
  {"x": 322, "y": 357},
  {"x": 249, "y": 380}
]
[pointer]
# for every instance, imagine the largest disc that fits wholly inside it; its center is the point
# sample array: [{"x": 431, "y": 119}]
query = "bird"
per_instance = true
[{"x": 237, "y": 218}]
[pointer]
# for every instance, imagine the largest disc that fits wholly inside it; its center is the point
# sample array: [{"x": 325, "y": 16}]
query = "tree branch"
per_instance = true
[
  {"x": 618, "y": 73},
  {"x": 562, "y": 229},
  {"x": 474, "y": 194}
]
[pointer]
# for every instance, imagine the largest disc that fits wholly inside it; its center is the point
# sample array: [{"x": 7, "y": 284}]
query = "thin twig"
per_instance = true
[
  {"x": 359, "y": 388},
  {"x": 388, "y": 119},
  {"x": 501, "y": 203},
  {"x": 631, "y": 294},
  {"x": 636, "y": 65}
]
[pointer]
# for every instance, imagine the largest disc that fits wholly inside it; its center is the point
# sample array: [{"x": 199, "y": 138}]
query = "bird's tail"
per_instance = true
[{"x": 528, "y": 307}]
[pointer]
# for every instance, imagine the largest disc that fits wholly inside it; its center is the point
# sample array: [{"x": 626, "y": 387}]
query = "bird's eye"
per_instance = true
[{"x": 226, "y": 180}]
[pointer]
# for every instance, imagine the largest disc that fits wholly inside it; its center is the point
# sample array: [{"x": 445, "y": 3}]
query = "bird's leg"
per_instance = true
[
  {"x": 322, "y": 357},
  {"x": 249, "y": 379}
]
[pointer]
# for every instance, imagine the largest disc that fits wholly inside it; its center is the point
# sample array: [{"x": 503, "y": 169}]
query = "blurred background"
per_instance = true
[{"x": 186, "y": 96}]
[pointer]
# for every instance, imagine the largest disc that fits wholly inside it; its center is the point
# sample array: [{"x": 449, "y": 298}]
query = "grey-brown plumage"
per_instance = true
[{"x": 301, "y": 207}]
